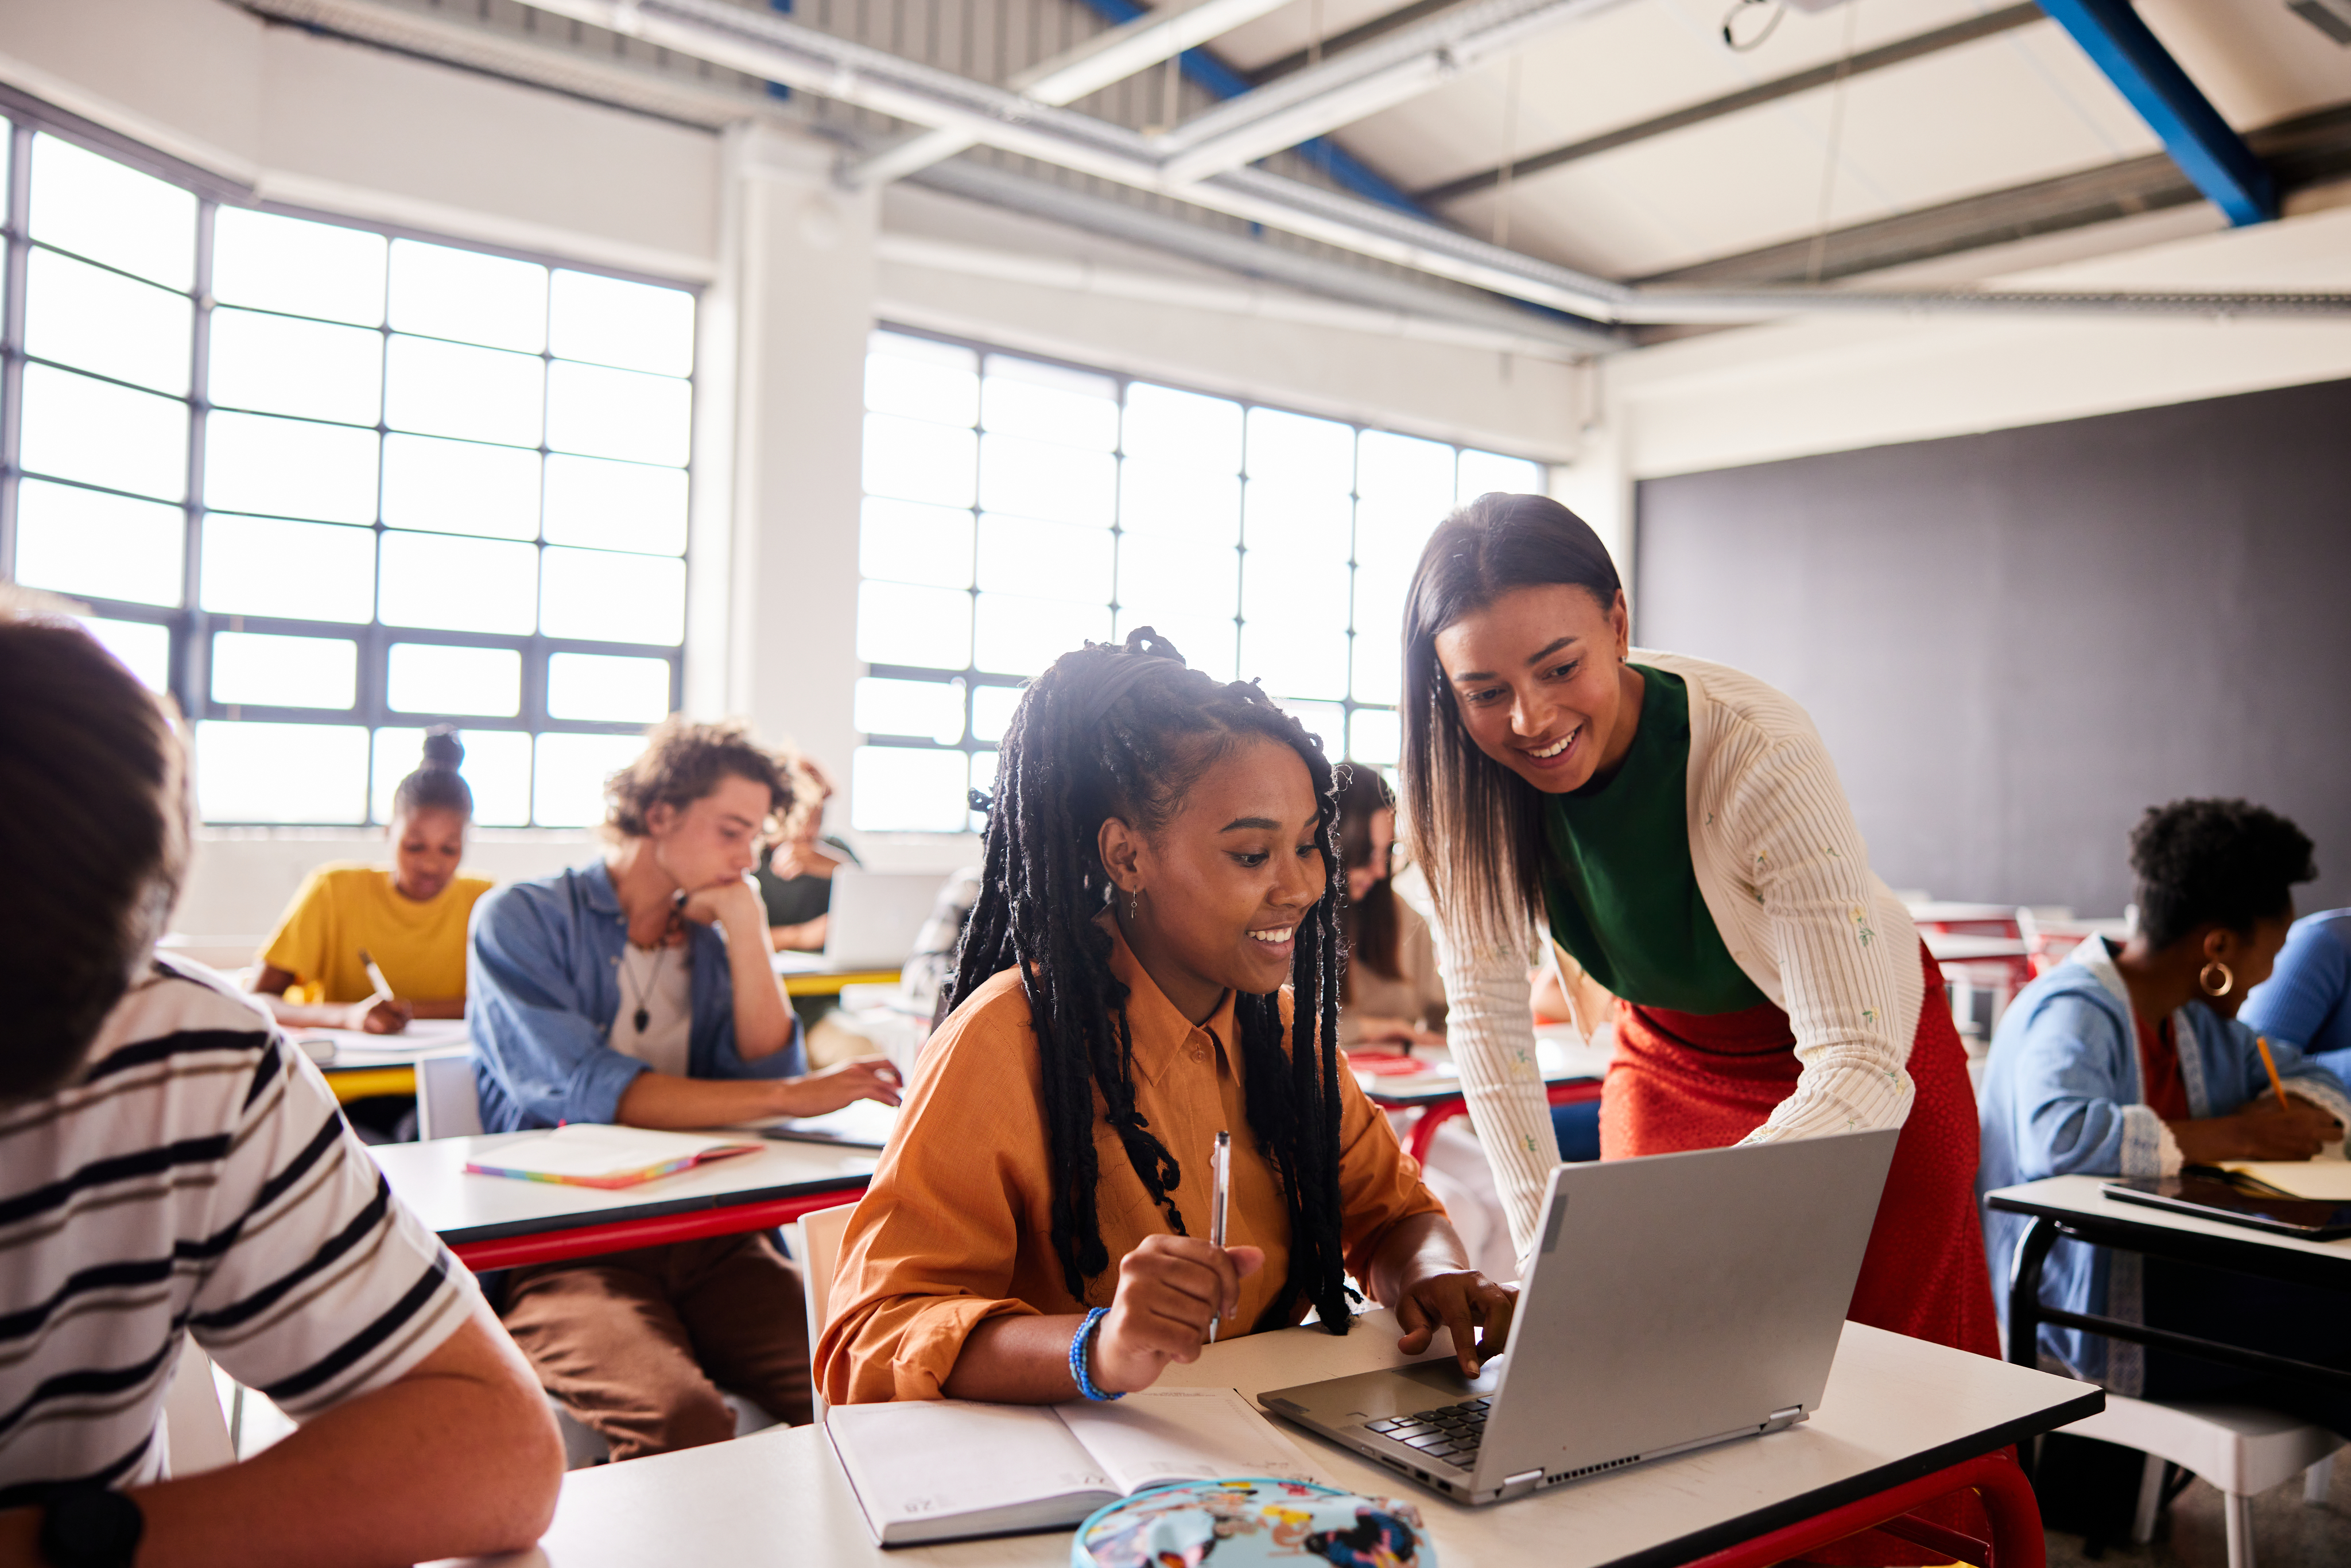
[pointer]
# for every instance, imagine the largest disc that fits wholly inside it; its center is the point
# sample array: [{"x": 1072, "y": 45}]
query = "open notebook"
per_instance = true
[
  {"x": 585, "y": 1153},
  {"x": 2327, "y": 1181},
  {"x": 942, "y": 1469}
]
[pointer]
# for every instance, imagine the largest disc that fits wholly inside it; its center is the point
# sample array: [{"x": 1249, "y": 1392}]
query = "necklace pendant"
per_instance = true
[{"x": 643, "y": 1018}]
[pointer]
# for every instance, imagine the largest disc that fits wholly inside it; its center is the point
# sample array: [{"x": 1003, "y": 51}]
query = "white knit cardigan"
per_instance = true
[{"x": 1783, "y": 871}]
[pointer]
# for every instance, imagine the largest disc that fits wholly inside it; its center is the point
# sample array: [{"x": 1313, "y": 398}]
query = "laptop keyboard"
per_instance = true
[{"x": 1449, "y": 1432}]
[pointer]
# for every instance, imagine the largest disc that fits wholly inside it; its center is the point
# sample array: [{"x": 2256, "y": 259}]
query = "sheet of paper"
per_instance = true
[
  {"x": 866, "y": 1123},
  {"x": 422, "y": 1036},
  {"x": 585, "y": 1151},
  {"x": 2326, "y": 1180},
  {"x": 931, "y": 1459},
  {"x": 1185, "y": 1435}
]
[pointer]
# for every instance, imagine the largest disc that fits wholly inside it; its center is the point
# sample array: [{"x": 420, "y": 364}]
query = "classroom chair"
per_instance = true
[
  {"x": 820, "y": 1234},
  {"x": 2241, "y": 1450}
]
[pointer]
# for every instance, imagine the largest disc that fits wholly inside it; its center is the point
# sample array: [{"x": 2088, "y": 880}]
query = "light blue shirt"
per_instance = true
[
  {"x": 2307, "y": 997},
  {"x": 2062, "y": 1096},
  {"x": 542, "y": 989}
]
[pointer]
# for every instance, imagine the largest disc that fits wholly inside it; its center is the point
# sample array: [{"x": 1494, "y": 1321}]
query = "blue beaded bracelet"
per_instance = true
[{"x": 1078, "y": 1343}]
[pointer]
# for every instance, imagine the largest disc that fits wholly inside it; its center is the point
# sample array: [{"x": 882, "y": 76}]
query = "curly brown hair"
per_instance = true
[{"x": 683, "y": 761}]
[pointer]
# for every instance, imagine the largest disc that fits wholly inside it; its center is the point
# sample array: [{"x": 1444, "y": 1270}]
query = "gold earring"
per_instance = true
[{"x": 2204, "y": 979}]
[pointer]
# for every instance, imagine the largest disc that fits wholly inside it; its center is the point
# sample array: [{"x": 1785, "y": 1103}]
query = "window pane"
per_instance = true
[
  {"x": 991, "y": 712},
  {"x": 932, "y": 709},
  {"x": 919, "y": 461},
  {"x": 568, "y": 788},
  {"x": 297, "y": 267},
  {"x": 301, "y": 571},
  {"x": 275, "y": 364},
  {"x": 1376, "y": 735},
  {"x": 904, "y": 789},
  {"x": 1047, "y": 402},
  {"x": 1327, "y": 721},
  {"x": 616, "y": 690},
  {"x": 1484, "y": 471},
  {"x": 1406, "y": 485},
  {"x": 1291, "y": 449},
  {"x": 929, "y": 627},
  {"x": 285, "y": 672},
  {"x": 1165, "y": 496},
  {"x": 459, "y": 487},
  {"x": 1182, "y": 427},
  {"x": 281, "y": 772},
  {"x": 1036, "y": 479},
  {"x": 476, "y": 394},
  {"x": 606, "y": 596},
  {"x": 935, "y": 381},
  {"x": 77, "y": 428},
  {"x": 289, "y": 468},
  {"x": 94, "y": 320},
  {"x": 96, "y": 207},
  {"x": 1015, "y": 636},
  {"x": 637, "y": 326},
  {"x": 432, "y": 677},
  {"x": 1045, "y": 560},
  {"x": 615, "y": 506},
  {"x": 1171, "y": 575},
  {"x": 496, "y": 770},
  {"x": 904, "y": 542},
  {"x": 107, "y": 547},
  {"x": 1292, "y": 658},
  {"x": 457, "y": 584},
  {"x": 443, "y": 292},
  {"x": 144, "y": 648},
  {"x": 1208, "y": 640},
  {"x": 618, "y": 414},
  {"x": 1380, "y": 594},
  {"x": 1317, "y": 523}
]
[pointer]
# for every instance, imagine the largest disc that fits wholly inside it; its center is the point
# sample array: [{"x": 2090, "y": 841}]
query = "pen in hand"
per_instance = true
[
  {"x": 375, "y": 977},
  {"x": 1220, "y": 1193},
  {"x": 2268, "y": 1064}
]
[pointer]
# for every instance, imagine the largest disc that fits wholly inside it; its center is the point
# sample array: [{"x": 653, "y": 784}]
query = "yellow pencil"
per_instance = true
[{"x": 2270, "y": 1064}]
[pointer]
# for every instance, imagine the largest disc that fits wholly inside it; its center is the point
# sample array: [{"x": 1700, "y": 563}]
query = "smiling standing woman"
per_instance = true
[{"x": 1676, "y": 829}]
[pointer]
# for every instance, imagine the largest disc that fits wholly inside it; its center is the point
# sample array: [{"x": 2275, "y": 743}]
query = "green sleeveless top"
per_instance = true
[{"x": 1617, "y": 883}]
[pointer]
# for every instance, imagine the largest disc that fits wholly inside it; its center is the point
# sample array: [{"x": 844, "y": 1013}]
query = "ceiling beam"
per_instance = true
[
  {"x": 1894, "y": 54},
  {"x": 1378, "y": 26},
  {"x": 2208, "y": 151}
]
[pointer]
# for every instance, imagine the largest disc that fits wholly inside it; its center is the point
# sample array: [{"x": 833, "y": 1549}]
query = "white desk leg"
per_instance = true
[
  {"x": 2238, "y": 1511},
  {"x": 2316, "y": 1480}
]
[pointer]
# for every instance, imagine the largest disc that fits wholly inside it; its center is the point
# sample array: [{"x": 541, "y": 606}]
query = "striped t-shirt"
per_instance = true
[{"x": 194, "y": 1174}]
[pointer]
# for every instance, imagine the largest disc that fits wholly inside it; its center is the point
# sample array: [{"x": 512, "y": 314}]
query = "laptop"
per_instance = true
[
  {"x": 1673, "y": 1302},
  {"x": 875, "y": 917}
]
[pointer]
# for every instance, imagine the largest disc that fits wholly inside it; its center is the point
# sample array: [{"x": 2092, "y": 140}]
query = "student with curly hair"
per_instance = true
[
  {"x": 638, "y": 989},
  {"x": 2128, "y": 1060},
  {"x": 1154, "y": 958}
]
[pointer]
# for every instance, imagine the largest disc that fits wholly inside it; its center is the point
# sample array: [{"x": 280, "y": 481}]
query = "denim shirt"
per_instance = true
[
  {"x": 2062, "y": 1096},
  {"x": 2307, "y": 997},
  {"x": 542, "y": 989}
]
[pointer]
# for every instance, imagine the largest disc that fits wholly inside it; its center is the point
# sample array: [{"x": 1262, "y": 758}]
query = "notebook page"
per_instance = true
[
  {"x": 1185, "y": 1435},
  {"x": 2326, "y": 1181},
  {"x": 935, "y": 1459},
  {"x": 584, "y": 1151}
]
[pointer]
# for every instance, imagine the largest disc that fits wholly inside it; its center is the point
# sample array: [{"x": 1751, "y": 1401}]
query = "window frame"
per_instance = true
[{"x": 190, "y": 627}]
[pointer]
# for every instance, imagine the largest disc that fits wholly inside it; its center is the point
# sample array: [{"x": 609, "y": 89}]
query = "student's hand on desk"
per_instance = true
[
  {"x": 1168, "y": 1288},
  {"x": 1463, "y": 1301},
  {"x": 843, "y": 1083},
  {"x": 379, "y": 1015},
  {"x": 2261, "y": 1131}
]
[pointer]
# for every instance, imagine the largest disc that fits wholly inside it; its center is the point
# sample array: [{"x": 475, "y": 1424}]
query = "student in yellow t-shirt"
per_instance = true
[{"x": 410, "y": 917}]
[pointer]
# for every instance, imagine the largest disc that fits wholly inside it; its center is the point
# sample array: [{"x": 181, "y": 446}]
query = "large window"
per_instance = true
[
  {"x": 1015, "y": 507},
  {"x": 329, "y": 486}
]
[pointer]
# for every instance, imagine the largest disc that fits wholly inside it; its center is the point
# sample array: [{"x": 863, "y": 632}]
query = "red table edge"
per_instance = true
[
  {"x": 1436, "y": 1112},
  {"x": 2008, "y": 1501},
  {"x": 658, "y": 1230}
]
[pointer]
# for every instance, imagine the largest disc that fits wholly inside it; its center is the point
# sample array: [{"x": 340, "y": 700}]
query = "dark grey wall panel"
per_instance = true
[{"x": 2014, "y": 642}]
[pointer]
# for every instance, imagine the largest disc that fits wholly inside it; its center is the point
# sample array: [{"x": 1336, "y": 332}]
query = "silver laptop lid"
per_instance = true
[{"x": 874, "y": 917}]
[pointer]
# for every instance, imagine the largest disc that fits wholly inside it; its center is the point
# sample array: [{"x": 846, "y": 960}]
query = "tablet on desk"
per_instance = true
[{"x": 2209, "y": 1194}]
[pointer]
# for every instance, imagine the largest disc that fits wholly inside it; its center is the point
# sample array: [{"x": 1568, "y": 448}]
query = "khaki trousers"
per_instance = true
[{"x": 637, "y": 1345}]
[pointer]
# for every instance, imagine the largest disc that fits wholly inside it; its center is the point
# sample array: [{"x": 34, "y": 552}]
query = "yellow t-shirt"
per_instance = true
[{"x": 340, "y": 909}]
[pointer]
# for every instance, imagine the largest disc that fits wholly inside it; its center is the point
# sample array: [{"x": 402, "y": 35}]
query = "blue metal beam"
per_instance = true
[
  {"x": 2208, "y": 151},
  {"x": 1327, "y": 155}
]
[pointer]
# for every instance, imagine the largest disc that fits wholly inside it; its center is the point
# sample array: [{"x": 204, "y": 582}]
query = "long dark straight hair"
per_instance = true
[
  {"x": 1368, "y": 925},
  {"x": 1126, "y": 732},
  {"x": 1477, "y": 827}
]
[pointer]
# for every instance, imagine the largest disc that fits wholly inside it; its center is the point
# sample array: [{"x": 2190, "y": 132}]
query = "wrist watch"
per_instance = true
[{"x": 85, "y": 1525}]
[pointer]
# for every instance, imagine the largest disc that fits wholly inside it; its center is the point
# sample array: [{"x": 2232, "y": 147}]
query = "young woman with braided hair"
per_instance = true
[{"x": 1158, "y": 889}]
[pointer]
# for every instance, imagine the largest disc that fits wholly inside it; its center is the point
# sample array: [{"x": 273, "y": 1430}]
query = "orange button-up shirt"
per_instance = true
[{"x": 957, "y": 1226}]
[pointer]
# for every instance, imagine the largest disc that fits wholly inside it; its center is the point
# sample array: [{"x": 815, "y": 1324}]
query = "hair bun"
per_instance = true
[{"x": 441, "y": 747}]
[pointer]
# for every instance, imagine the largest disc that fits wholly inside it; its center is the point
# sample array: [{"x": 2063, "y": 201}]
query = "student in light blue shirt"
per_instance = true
[
  {"x": 2307, "y": 997},
  {"x": 2125, "y": 1060}
]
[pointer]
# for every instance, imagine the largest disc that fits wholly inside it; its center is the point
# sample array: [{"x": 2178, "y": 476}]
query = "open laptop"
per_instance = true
[
  {"x": 875, "y": 917},
  {"x": 1672, "y": 1303}
]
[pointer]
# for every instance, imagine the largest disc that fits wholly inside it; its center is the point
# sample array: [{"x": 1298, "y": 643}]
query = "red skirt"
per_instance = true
[{"x": 1686, "y": 1080}]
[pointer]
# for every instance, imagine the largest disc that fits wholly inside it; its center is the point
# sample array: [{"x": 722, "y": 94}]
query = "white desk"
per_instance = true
[
  {"x": 496, "y": 1222},
  {"x": 1896, "y": 1409}
]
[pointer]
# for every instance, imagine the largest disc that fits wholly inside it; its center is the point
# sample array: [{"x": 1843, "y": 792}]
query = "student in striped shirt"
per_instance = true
[{"x": 168, "y": 1163}]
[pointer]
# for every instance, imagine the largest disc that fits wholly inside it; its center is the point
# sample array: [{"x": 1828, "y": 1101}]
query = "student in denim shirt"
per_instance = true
[
  {"x": 2128, "y": 1061},
  {"x": 639, "y": 990},
  {"x": 2307, "y": 998}
]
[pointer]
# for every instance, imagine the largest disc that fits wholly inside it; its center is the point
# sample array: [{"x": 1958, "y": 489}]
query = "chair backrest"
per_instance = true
[
  {"x": 195, "y": 1433},
  {"x": 820, "y": 1234},
  {"x": 447, "y": 1104}
]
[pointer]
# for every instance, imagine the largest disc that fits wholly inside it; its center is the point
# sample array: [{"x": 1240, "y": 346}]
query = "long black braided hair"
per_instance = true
[{"x": 1124, "y": 732}]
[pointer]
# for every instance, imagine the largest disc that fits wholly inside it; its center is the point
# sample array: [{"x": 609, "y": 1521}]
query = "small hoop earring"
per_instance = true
[{"x": 2204, "y": 979}]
